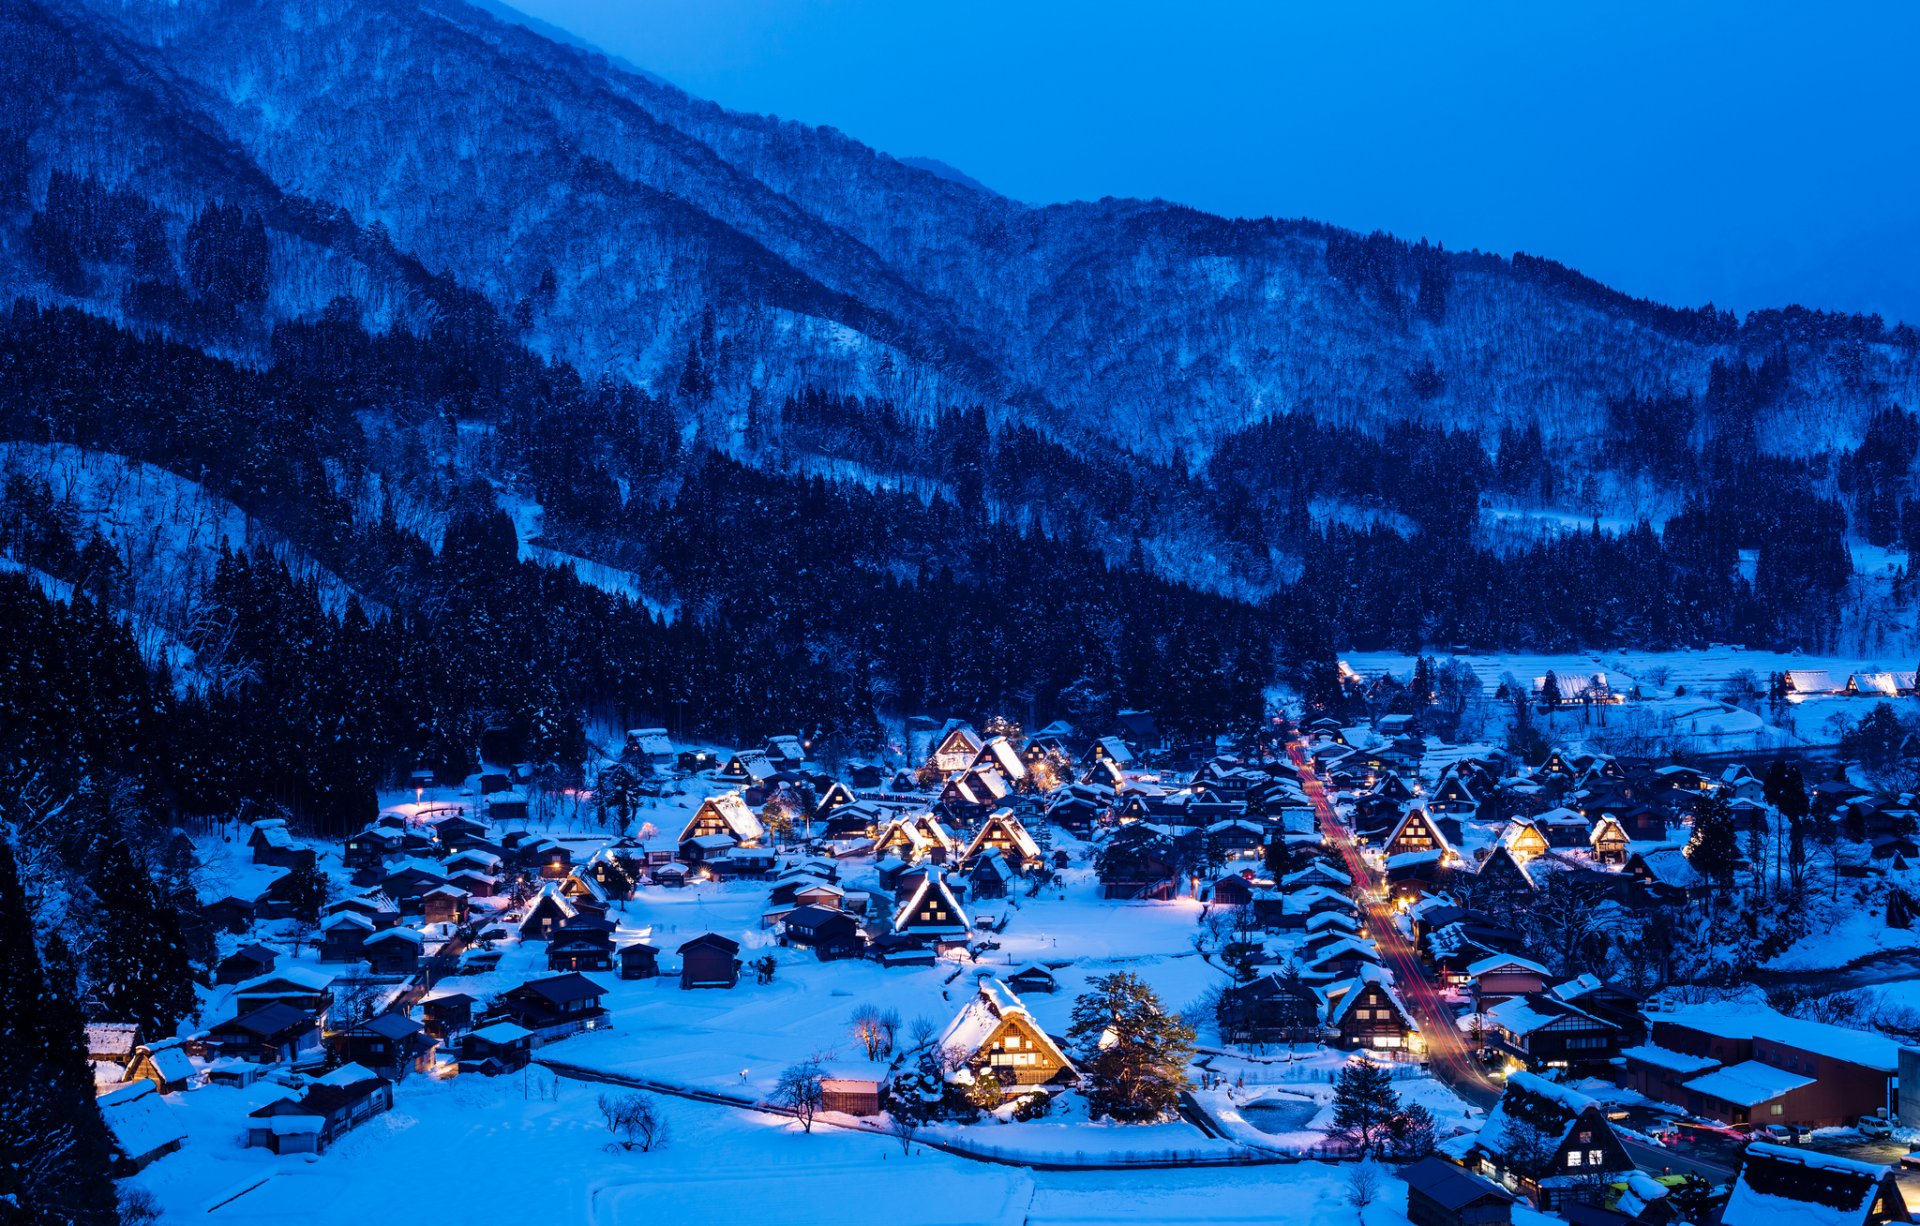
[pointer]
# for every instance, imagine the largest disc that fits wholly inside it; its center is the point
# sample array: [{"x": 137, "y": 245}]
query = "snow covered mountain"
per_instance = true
[{"x": 616, "y": 212}]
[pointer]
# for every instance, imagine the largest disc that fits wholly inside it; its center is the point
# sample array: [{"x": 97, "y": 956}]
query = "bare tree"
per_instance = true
[
  {"x": 871, "y": 1028},
  {"x": 904, "y": 1128},
  {"x": 799, "y": 1091},
  {"x": 921, "y": 1032},
  {"x": 1363, "y": 1186},
  {"x": 635, "y": 1120}
]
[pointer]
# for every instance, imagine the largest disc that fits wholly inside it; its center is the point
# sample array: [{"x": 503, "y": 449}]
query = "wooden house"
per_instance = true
[
  {"x": 829, "y": 932},
  {"x": 503, "y": 1047},
  {"x": 852, "y": 1089},
  {"x": 637, "y": 960},
  {"x": 994, "y": 1032},
  {"x": 1581, "y": 1154},
  {"x": 343, "y": 935},
  {"x": 447, "y": 1014},
  {"x": 1542, "y": 1031},
  {"x": 1111, "y": 749},
  {"x": 1498, "y": 976},
  {"x": 1416, "y": 833},
  {"x": 141, "y": 1127},
  {"x": 784, "y": 752},
  {"x": 989, "y": 875},
  {"x": 710, "y": 961},
  {"x": 1004, "y": 833},
  {"x": 229, "y": 913},
  {"x": 273, "y": 844},
  {"x": 1524, "y": 840},
  {"x": 748, "y": 768},
  {"x": 583, "y": 943},
  {"x": 1031, "y": 979},
  {"x": 371, "y": 847},
  {"x": 271, "y": 1034},
  {"x": 1270, "y": 1009},
  {"x": 444, "y": 904},
  {"x": 1442, "y": 1193},
  {"x": 557, "y": 1005},
  {"x": 932, "y": 913},
  {"x": 299, "y": 986},
  {"x": 321, "y": 1115},
  {"x": 549, "y": 911},
  {"x": 250, "y": 961},
  {"x": 1609, "y": 841},
  {"x": 837, "y": 796},
  {"x": 1781, "y": 1183},
  {"x": 388, "y": 1043},
  {"x": 395, "y": 951},
  {"x": 165, "y": 1064},
  {"x": 1453, "y": 796},
  {"x": 954, "y": 749},
  {"x": 725, "y": 815},
  {"x": 1368, "y": 1014}
]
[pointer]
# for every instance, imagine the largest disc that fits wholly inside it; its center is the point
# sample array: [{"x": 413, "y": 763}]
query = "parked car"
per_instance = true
[
  {"x": 1779, "y": 1134},
  {"x": 1911, "y": 1161},
  {"x": 1874, "y": 1126}
]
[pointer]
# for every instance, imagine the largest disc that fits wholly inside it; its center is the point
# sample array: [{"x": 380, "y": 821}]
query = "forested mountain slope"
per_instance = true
[{"x": 496, "y": 156}]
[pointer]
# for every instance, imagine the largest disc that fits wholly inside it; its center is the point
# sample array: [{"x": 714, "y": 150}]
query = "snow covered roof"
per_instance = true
[
  {"x": 1505, "y": 962},
  {"x": 1760, "y": 1022},
  {"x": 502, "y": 1032},
  {"x": 1666, "y": 1058},
  {"x": 731, "y": 810},
  {"x": 932, "y": 881},
  {"x": 992, "y": 1005},
  {"x": 1342, "y": 995},
  {"x": 1009, "y": 827},
  {"x": 1798, "y": 1185},
  {"x": 1748, "y": 1084},
  {"x": 1547, "y": 1105},
  {"x": 140, "y": 1120}
]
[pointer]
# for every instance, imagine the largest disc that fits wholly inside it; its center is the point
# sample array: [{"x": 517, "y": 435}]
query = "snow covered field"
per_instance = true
[
  {"x": 1681, "y": 707},
  {"x": 475, "y": 1147}
]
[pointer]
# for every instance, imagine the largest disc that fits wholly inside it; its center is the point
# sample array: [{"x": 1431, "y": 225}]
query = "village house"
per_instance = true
[
  {"x": 932, "y": 914},
  {"x": 447, "y": 1014},
  {"x": 302, "y": 987},
  {"x": 1756, "y": 1066},
  {"x": 1367, "y": 1014},
  {"x": 1581, "y": 1153},
  {"x": 954, "y": 749},
  {"x": 391, "y": 1044},
  {"x": 725, "y": 815},
  {"x": 502, "y": 1047},
  {"x": 250, "y": 961},
  {"x": 995, "y": 1033},
  {"x": 1442, "y": 1193},
  {"x": 166, "y": 1064},
  {"x": 829, "y": 932},
  {"x": 1416, "y": 834},
  {"x": 273, "y": 844},
  {"x": 1779, "y": 1183},
  {"x": 140, "y": 1125},
  {"x": 1270, "y": 1009},
  {"x": 988, "y": 875},
  {"x": 1031, "y": 979},
  {"x": 557, "y": 1006},
  {"x": 1004, "y": 833},
  {"x": 1540, "y": 1031},
  {"x": 274, "y": 1033},
  {"x": 637, "y": 960},
  {"x": 710, "y": 961},
  {"x": 393, "y": 952},
  {"x": 326, "y": 1111}
]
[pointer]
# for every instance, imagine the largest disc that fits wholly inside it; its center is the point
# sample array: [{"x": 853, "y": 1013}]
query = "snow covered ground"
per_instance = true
[
  {"x": 1681, "y": 707},
  {"x": 471, "y": 1147}
]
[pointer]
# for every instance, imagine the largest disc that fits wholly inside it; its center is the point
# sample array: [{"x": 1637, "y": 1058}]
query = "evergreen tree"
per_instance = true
[
  {"x": 1133, "y": 1052},
  {"x": 54, "y": 1147},
  {"x": 1364, "y": 1105},
  {"x": 1714, "y": 848},
  {"x": 139, "y": 965}
]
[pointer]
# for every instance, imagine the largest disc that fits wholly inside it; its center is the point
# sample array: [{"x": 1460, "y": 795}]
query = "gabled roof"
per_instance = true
[
  {"x": 932, "y": 882},
  {"x": 731, "y": 810},
  {"x": 1008, "y": 825},
  {"x": 1440, "y": 843},
  {"x": 140, "y": 1120},
  {"x": 1450, "y": 1185},
  {"x": 993, "y": 1005},
  {"x": 1342, "y": 995},
  {"x": 562, "y": 989},
  {"x": 1782, "y": 1184}
]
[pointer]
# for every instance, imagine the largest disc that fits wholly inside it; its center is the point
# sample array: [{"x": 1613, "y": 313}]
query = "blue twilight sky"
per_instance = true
[{"x": 1750, "y": 154}]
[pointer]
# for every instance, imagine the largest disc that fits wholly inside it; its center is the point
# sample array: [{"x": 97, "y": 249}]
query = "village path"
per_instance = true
[{"x": 1447, "y": 1052}]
